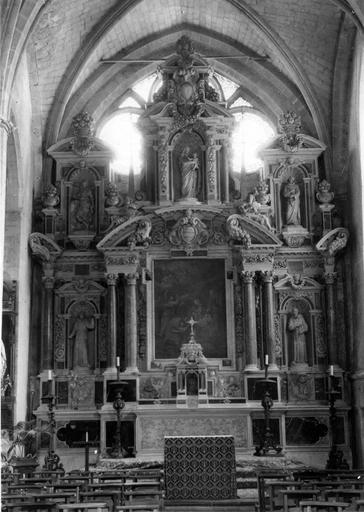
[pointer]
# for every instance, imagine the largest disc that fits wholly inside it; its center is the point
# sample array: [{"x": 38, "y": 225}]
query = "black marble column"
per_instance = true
[
  {"x": 131, "y": 318},
  {"x": 269, "y": 316},
  {"x": 112, "y": 313},
  {"x": 330, "y": 278},
  {"x": 47, "y": 323},
  {"x": 250, "y": 320}
]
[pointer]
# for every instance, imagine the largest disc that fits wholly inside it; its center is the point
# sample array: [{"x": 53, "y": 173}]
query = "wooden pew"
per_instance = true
[{"x": 324, "y": 506}]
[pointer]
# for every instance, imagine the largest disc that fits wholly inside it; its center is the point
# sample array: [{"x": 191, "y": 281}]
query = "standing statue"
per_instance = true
[
  {"x": 299, "y": 327},
  {"x": 189, "y": 167},
  {"x": 292, "y": 193},
  {"x": 80, "y": 331},
  {"x": 83, "y": 207}
]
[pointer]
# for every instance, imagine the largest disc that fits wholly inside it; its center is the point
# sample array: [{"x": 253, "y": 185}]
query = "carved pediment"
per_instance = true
[
  {"x": 297, "y": 282},
  {"x": 99, "y": 147},
  {"x": 244, "y": 231},
  {"x": 187, "y": 229},
  {"x": 86, "y": 287},
  {"x": 134, "y": 232}
]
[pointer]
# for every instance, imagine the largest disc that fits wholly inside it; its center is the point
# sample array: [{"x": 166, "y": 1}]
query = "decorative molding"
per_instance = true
[
  {"x": 189, "y": 233},
  {"x": 237, "y": 231},
  {"x": 141, "y": 235},
  {"x": 83, "y": 129},
  {"x": 290, "y": 128}
]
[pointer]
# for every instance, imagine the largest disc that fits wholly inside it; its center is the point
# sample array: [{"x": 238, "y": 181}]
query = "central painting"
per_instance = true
[{"x": 185, "y": 289}]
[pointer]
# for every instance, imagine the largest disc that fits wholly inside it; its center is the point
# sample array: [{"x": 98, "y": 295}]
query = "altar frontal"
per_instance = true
[{"x": 200, "y": 468}]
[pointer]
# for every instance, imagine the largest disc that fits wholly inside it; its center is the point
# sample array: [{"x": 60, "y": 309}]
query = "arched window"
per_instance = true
[
  {"x": 251, "y": 133},
  {"x": 122, "y": 134}
]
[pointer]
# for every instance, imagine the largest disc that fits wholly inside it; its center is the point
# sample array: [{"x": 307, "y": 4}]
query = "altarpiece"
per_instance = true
[{"x": 190, "y": 283}]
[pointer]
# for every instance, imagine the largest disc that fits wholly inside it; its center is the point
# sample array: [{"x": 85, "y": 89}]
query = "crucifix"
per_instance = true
[{"x": 192, "y": 322}]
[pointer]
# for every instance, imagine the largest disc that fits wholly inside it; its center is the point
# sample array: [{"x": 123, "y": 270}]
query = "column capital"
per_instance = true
[
  {"x": 111, "y": 279},
  {"x": 330, "y": 277},
  {"x": 48, "y": 282},
  {"x": 267, "y": 275},
  {"x": 247, "y": 276},
  {"x": 131, "y": 278}
]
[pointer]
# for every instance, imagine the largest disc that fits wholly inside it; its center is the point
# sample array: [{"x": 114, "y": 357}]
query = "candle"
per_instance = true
[
  {"x": 266, "y": 359},
  {"x": 331, "y": 370},
  {"x": 86, "y": 436},
  {"x": 49, "y": 374},
  {"x": 117, "y": 361}
]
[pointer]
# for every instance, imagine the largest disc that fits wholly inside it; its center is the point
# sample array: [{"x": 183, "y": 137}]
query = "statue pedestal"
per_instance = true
[
  {"x": 188, "y": 201},
  {"x": 294, "y": 236},
  {"x": 299, "y": 366}
]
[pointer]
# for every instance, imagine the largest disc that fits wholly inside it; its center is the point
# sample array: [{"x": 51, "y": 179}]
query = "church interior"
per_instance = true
[{"x": 181, "y": 239}]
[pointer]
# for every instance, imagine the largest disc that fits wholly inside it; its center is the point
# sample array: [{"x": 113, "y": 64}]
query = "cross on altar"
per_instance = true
[{"x": 192, "y": 322}]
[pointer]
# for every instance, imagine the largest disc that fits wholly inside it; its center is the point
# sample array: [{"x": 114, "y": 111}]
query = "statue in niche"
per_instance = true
[
  {"x": 83, "y": 207},
  {"x": 291, "y": 192},
  {"x": 80, "y": 332},
  {"x": 297, "y": 324},
  {"x": 189, "y": 167}
]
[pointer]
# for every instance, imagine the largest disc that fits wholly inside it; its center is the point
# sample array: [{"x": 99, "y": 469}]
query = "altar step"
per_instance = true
[{"x": 238, "y": 505}]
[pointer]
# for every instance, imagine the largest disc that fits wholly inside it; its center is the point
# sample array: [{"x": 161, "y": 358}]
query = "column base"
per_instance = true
[
  {"x": 273, "y": 367},
  {"x": 131, "y": 370},
  {"x": 110, "y": 370},
  {"x": 251, "y": 368}
]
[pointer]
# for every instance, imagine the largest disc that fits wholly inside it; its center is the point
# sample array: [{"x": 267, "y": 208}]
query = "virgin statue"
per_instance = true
[
  {"x": 291, "y": 192},
  {"x": 297, "y": 324},
  {"x": 189, "y": 167},
  {"x": 80, "y": 331}
]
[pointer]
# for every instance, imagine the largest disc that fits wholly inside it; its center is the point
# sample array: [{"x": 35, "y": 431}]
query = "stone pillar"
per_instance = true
[
  {"x": 111, "y": 284},
  {"x": 131, "y": 318},
  {"x": 330, "y": 317},
  {"x": 269, "y": 317},
  {"x": 250, "y": 320},
  {"x": 47, "y": 323},
  {"x": 5, "y": 129}
]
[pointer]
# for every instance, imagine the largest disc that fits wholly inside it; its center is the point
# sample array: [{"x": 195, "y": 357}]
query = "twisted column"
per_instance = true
[
  {"x": 111, "y": 280},
  {"x": 131, "y": 334},
  {"x": 269, "y": 316},
  {"x": 250, "y": 320}
]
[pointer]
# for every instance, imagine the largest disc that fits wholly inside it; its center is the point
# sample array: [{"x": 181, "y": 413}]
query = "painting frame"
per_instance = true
[{"x": 210, "y": 276}]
